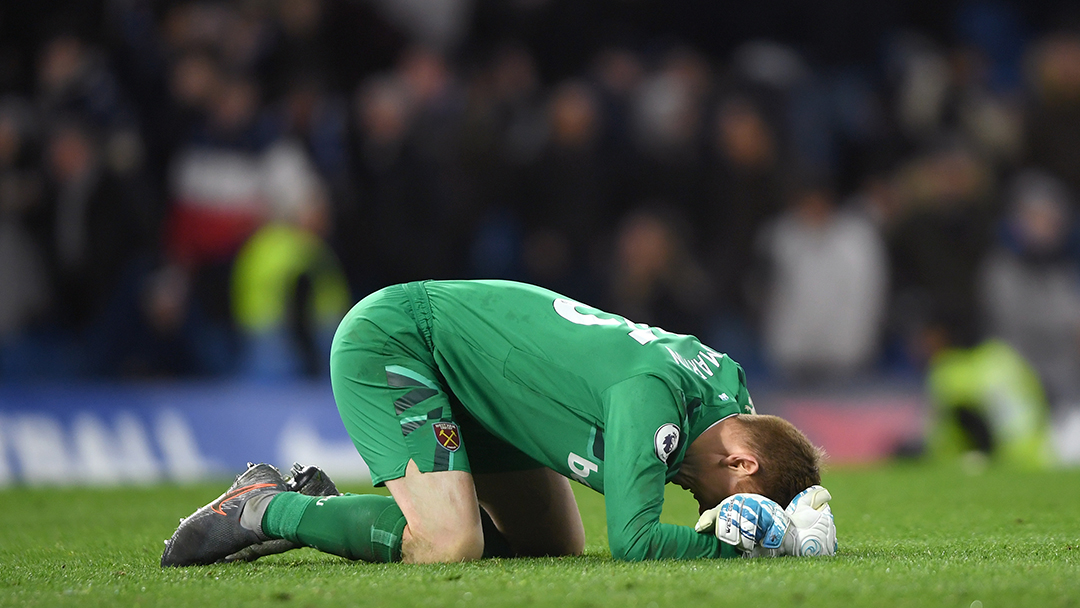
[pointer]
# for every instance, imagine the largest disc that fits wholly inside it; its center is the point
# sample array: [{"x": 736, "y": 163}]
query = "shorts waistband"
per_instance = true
[{"x": 420, "y": 308}]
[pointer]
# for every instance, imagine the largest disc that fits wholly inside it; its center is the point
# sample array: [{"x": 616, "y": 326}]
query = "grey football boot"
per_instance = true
[
  {"x": 310, "y": 481},
  {"x": 229, "y": 523}
]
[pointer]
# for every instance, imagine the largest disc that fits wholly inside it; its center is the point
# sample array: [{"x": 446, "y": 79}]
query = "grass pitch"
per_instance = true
[{"x": 909, "y": 536}]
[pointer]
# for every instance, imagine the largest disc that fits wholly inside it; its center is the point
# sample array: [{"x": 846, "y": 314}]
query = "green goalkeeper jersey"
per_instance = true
[{"x": 596, "y": 397}]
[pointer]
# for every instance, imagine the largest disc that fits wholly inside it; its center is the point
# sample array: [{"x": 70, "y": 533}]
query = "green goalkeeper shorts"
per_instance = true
[{"x": 394, "y": 402}]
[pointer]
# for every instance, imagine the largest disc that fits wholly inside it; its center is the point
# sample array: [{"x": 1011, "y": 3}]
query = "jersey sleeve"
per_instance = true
[{"x": 635, "y": 476}]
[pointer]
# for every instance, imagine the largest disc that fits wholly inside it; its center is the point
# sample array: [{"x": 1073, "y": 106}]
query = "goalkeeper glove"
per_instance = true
[
  {"x": 746, "y": 521},
  {"x": 813, "y": 523},
  {"x": 757, "y": 527}
]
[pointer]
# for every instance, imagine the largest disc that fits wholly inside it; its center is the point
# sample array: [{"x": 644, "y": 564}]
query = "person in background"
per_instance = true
[
  {"x": 939, "y": 230},
  {"x": 216, "y": 203},
  {"x": 655, "y": 278},
  {"x": 566, "y": 202},
  {"x": 288, "y": 288},
  {"x": 27, "y": 294},
  {"x": 1053, "y": 121},
  {"x": 988, "y": 404},
  {"x": 826, "y": 287},
  {"x": 744, "y": 190},
  {"x": 1030, "y": 284},
  {"x": 97, "y": 231}
]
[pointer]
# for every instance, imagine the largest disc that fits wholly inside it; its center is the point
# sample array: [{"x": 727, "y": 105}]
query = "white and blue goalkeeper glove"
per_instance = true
[
  {"x": 746, "y": 521},
  {"x": 757, "y": 526}
]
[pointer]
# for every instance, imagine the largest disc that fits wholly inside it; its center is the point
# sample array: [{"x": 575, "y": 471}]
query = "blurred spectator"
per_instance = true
[
  {"x": 396, "y": 233},
  {"x": 922, "y": 81},
  {"x": 565, "y": 205},
  {"x": 826, "y": 288},
  {"x": 439, "y": 25},
  {"x": 438, "y": 104},
  {"x": 504, "y": 128},
  {"x": 970, "y": 90},
  {"x": 618, "y": 72},
  {"x": 303, "y": 47},
  {"x": 95, "y": 228},
  {"x": 834, "y": 121},
  {"x": 668, "y": 113},
  {"x": 26, "y": 295},
  {"x": 288, "y": 290},
  {"x": 655, "y": 279},
  {"x": 435, "y": 99},
  {"x": 338, "y": 41},
  {"x": 988, "y": 403},
  {"x": 194, "y": 81},
  {"x": 744, "y": 191},
  {"x": 770, "y": 65},
  {"x": 215, "y": 194},
  {"x": 940, "y": 233},
  {"x": 216, "y": 202},
  {"x": 22, "y": 272},
  {"x": 1054, "y": 122},
  {"x": 998, "y": 32},
  {"x": 74, "y": 80},
  {"x": 320, "y": 121},
  {"x": 989, "y": 111},
  {"x": 1030, "y": 286}
]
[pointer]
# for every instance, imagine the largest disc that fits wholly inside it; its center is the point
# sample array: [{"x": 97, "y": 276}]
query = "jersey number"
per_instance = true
[{"x": 568, "y": 309}]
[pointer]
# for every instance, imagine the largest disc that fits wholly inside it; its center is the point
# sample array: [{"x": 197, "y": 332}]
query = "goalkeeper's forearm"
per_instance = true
[{"x": 665, "y": 541}]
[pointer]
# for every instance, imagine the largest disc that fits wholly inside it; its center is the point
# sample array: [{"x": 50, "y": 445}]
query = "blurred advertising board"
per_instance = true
[{"x": 90, "y": 434}]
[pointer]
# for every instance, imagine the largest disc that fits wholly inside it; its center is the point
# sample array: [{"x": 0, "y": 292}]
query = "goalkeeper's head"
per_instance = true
[{"x": 754, "y": 453}]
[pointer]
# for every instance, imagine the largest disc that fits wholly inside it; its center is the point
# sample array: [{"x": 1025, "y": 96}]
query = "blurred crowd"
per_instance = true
[{"x": 200, "y": 187}]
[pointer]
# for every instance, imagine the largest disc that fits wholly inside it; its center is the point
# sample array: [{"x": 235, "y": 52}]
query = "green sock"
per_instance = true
[{"x": 355, "y": 526}]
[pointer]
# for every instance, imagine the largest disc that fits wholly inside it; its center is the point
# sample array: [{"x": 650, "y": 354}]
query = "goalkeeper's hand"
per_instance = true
[
  {"x": 752, "y": 523},
  {"x": 747, "y": 521},
  {"x": 812, "y": 522}
]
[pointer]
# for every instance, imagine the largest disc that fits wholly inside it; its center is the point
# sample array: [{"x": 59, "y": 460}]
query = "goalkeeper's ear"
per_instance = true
[{"x": 742, "y": 465}]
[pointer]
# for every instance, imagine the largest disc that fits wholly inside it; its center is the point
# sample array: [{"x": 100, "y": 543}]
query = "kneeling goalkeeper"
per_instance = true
[{"x": 475, "y": 402}]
